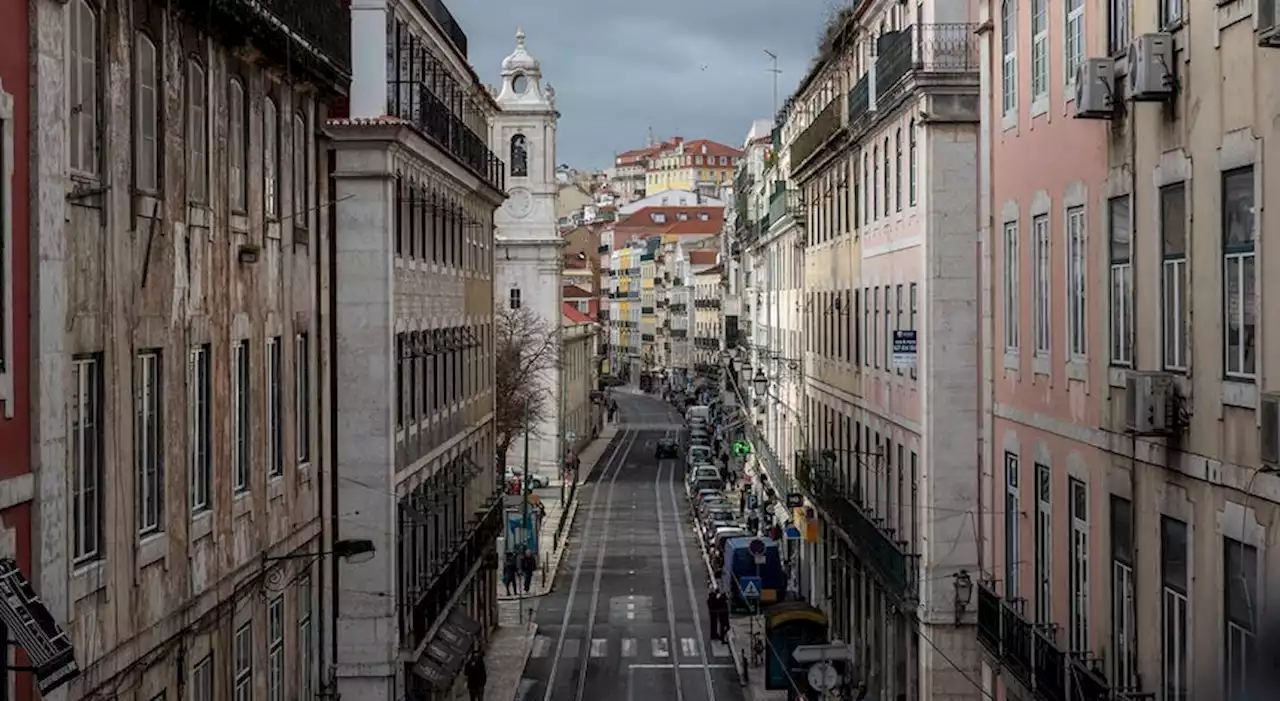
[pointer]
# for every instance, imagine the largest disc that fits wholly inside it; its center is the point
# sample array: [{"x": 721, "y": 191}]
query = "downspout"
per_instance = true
[
  {"x": 332, "y": 250},
  {"x": 1132, "y": 118},
  {"x": 986, "y": 359}
]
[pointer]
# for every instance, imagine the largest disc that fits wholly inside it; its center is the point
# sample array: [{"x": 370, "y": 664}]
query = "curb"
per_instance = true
[
  {"x": 531, "y": 633},
  {"x": 739, "y": 660},
  {"x": 553, "y": 564}
]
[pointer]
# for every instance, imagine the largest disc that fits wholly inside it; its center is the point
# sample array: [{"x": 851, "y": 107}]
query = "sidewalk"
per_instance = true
[
  {"x": 508, "y": 652},
  {"x": 740, "y": 629}
]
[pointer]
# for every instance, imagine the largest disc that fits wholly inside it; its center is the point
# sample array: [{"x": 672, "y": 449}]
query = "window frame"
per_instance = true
[
  {"x": 241, "y": 417},
  {"x": 148, "y": 447},
  {"x": 1073, "y": 41},
  {"x": 1012, "y": 289},
  {"x": 301, "y": 171},
  {"x": 1012, "y": 534},
  {"x": 1171, "y": 14},
  {"x": 149, "y": 182},
  {"x": 1077, "y": 286},
  {"x": 1175, "y": 615},
  {"x": 275, "y": 408},
  {"x": 197, "y": 135},
  {"x": 1124, "y": 661},
  {"x": 302, "y": 396},
  {"x": 200, "y": 429},
  {"x": 1042, "y": 285},
  {"x": 1009, "y": 58},
  {"x": 84, "y": 123},
  {"x": 1243, "y": 258},
  {"x": 911, "y": 162},
  {"x": 202, "y": 684},
  {"x": 1174, "y": 342},
  {"x": 1043, "y": 538},
  {"x": 242, "y": 663},
  {"x": 237, "y": 145},
  {"x": 1121, "y": 280},
  {"x": 1039, "y": 50},
  {"x": 270, "y": 157},
  {"x": 1078, "y": 566},
  {"x": 1119, "y": 23},
  {"x": 897, "y": 170},
  {"x": 275, "y": 649},
  {"x": 306, "y": 651},
  {"x": 1239, "y": 631},
  {"x": 87, "y": 519}
]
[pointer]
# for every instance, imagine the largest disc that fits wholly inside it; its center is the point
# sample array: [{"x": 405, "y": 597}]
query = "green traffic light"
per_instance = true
[{"x": 741, "y": 448}]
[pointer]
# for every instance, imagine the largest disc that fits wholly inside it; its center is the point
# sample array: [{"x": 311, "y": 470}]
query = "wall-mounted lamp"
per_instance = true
[
  {"x": 248, "y": 253},
  {"x": 963, "y": 584}
]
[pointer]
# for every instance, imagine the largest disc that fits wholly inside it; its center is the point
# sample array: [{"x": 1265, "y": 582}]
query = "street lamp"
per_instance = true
[
  {"x": 353, "y": 551},
  {"x": 964, "y": 593},
  {"x": 760, "y": 382}
]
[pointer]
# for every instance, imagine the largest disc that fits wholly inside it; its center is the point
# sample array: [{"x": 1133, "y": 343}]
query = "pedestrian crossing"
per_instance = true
[{"x": 660, "y": 648}]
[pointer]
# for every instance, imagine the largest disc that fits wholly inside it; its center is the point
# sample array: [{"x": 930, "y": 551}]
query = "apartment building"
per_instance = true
[
  {"x": 180, "y": 337},
  {"x": 583, "y": 415},
  {"x": 1131, "y": 440},
  {"x": 707, "y": 322},
  {"x": 624, "y": 309},
  {"x": 416, "y": 187},
  {"x": 700, "y": 165}
]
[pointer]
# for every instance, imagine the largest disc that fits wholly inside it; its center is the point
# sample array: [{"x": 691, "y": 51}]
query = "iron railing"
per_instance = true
[
  {"x": 309, "y": 36},
  {"x": 435, "y": 597},
  {"x": 424, "y": 93},
  {"x": 1029, "y": 653},
  {"x": 438, "y": 12},
  {"x": 823, "y": 127},
  {"x": 948, "y": 48},
  {"x": 785, "y": 201},
  {"x": 860, "y": 99}
]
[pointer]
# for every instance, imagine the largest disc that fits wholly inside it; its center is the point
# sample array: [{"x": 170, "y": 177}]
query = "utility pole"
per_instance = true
[
  {"x": 775, "y": 71},
  {"x": 525, "y": 486}
]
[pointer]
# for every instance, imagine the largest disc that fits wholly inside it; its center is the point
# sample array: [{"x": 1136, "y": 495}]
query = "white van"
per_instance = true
[{"x": 701, "y": 413}]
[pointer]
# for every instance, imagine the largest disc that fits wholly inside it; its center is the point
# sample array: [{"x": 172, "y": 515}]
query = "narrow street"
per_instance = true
[{"x": 628, "y": 613}]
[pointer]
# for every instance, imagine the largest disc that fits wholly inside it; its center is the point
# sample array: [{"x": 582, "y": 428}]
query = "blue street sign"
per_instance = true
[
  {"x": 791, "y": 533},
  {"x": 751, "y": 501},
  {"x": 750, "y": 587}
]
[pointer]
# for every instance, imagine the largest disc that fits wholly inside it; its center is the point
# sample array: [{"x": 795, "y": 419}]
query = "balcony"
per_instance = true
[
  {"x": 309, "y": 36},
  {"x": 646, "y": 310},
  {"x": 859, "y": 101},
  {"x": 420, "y": 91},
  {"x": 875, "y": 545},
  {"x": 602, "y": 248},
  {"x": 1030, "y": 655},
  {"x": 942, "y": 52},
  {"x": 449, "y": 575},
  {"x": 785, "y": 201},
  {"x": 824, "y": 126},
  {"x": 678, "y": 308},
  {"x": 647, "y": 337},
  {"x": 707, "y": 303},
  {"x": 680, "y": 334},
  {"x": 677, "y": 281}
]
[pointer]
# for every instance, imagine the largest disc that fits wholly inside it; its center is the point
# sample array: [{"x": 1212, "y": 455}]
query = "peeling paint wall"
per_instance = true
[{"x": 122, "y": 270}]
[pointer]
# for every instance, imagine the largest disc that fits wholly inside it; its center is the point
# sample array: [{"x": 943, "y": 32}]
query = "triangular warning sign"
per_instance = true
[{"x": 750, "y": 590}]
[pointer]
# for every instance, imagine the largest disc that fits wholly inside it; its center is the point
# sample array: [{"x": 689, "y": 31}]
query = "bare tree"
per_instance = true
[{"x": 526, "y": 345}]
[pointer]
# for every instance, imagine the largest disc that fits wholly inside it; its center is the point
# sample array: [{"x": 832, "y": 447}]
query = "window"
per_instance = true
[
  {"x": 237, "y": 146},
  {"x": 1240, "y": 584},
  {"x": 1124, "y": 631},
  {"x": 1073, "y": 46},
  {"x": 202, "y": 680},
  {"x": 513, "y": 296},
  {"x": 197, "y": 133},
  {"x": 911, "y": 162},
  {"x": 306, "y": 659},
  {"x": 1077, "y": 266},
  {"x": 199, "y": 428},
  {"x": 519, "y": 156},
  {"x": 1078, "y": 568},
  {"x": 888, "y": 331},
  {"x": 886, "y": 177},
  {"x": 243, "y": 663},
  {"x": 867, "y": 214},
  {"x": 83, "y": 97},
  {"x": 875, "y": 179},
  {"x": 1174, "y": 619},
  {"x": 241, "y": 430},
  {"x": 148, "y": 446},
  {"x": 913, "y": 326},
  {"x": 1121, "y": 236},
  {"x": 1172, "y": 12},
  {"x": 270, "y": 158},
  {"x": 1044, "y": 545},
  {"x": 897, "y": 170},
  {"x": 1009, "y": 47},
  {"x": 1041, "y": 283},
  {"x": 1039, "y": 49},
  {"x": 302, "y": 397},
  {"x": 301, "y": 174},
  {"x": 869, "y": 331},
  {"x": 86, "y": 459},
  {"x": 275, "y": 649},
  {"x": 401, "y": 359},
  {"x": 1118, "y": 12},
  {"x": 1012, "y": 309},
  {"x": 1011, "y": 588},
  {"x": 897, "y": 317},
  {"x": 1238, "y": 272},
  {"x": 1176, "y": 311},
  {"x": 146, "y": 155},
  {"x": 275, "y": 422}
]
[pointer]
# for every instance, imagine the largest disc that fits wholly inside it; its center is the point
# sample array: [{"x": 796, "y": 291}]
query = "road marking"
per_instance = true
[
  {"x": 631, "y": 610},
  {"x": 688, "y": 573},
  {"x": 598, "y": 646},
  {"x": 681, "y": 666},
  {"x": 719, "y": 649},
  {"x": 660, "y": 647},
  {"x": 570, "y": 649},
  {"x": 541, "y": 645},
  {"x": 688, "y": 647},
  {"x": 666, "y": 570},
  {"x": 628, "y": 647}
]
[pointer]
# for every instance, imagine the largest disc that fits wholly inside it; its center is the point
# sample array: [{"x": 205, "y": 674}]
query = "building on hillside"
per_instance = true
[
  {"x": 700, "y": 165},
  {"x": 1130, "y": 415},
  {"x": 671, "y": 198},
  {"x": 529, "y": 245},
  {"x": 583, "y": 417},
  {"x": 181, "y": 338},
  {"x": 707, "y": 328},
  {"x": 680, "y": 311},
  {"x": 415, "y": 189},
  {"x": 651, "y": 356},
  {"x": 19, "y": 303},
  {"x": 630, "y": 169},
  {"x": 624, "y": 293},
  {"x": 571, "y": 198}
]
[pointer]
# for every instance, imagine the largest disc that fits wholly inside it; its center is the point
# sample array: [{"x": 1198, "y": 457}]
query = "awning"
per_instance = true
[{"x": 444, "y": 656}]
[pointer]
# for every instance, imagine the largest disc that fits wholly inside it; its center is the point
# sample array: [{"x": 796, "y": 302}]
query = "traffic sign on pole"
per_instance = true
[{"x": 750, "y": 587}]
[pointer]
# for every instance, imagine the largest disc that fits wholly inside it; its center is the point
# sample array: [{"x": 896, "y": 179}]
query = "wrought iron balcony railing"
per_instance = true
[
  {"x": 680, "y": 334},
  {"x": 785, "y": 201},
  {"x": 859, "y": 100},
  {"x": 646, "y": 310},
  {"x": 435, "y": 596},
  {"x": 888, "y": 557},
  {"x": 707, "y": 303},
  {"x": 647, "y": 337},
  {"x": 824, "y": 126},
  {"x": 944, "y": 48},
  {"x": 309, "y": 36},
  {"x": 1029, "y": 653},
  {"x": 447, "y": 24},
  {"x": 678, "y": 308},
  {"x": 413, "y": 98}
]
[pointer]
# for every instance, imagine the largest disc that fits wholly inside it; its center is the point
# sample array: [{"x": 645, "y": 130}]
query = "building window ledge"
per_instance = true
[
  {"x": 1078, "y": 369},
  {"x": 241, "y": 504},
  {"x": 152, "y": 549},
  {"x": 201, "y": 526},
  {"x": 275, "y": 488},
  {"x": 88, "y": 579},
  {"x": 1011, "y": 360},
  {"x": 1240, "y": 393},
  {"x": 1040, "y": 365},
  {"x": 1116, "y": 376}
]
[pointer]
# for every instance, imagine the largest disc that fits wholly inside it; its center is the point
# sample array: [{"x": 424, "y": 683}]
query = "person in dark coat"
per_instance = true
[
  {"x": 528, "y": 565},
  {"x": 722, "y": 613},
  {"x": 509, "y": 572},
  {"x": 477, "y": 676},
  {"x": 713, "y": 615}
]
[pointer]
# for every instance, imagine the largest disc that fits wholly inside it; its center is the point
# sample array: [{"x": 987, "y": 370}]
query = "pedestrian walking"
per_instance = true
[
  {"x": 722, "y": 613},
  {"x": 712, "y": 614},
  {"x": 509, "y": 572},
  {"x": 477, "y": 676},
  {"x": 742, "y": 502},
  {"x": 529, "y": 564}
]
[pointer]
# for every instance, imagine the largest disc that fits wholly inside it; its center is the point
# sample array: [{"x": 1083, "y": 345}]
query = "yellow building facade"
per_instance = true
[{"x": 690, "y": 165}]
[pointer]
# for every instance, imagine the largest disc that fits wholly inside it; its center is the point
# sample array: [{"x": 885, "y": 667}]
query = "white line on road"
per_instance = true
[
  {"x": 666, "y": 571},
  {"x": 660, "y": 647},
  {"x": 598, "y": 646},
  {"x": 681, "y": 666},
  {"x": 541, "y": 644},
  {"x": 688, "y": 647},
  {"x": 628, "y": 647},
  {"x": 582, "y": 555},
  {"x": 688, "y": 580}
]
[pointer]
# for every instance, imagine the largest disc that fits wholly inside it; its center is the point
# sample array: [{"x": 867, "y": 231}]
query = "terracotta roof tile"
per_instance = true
[
  {"x": 702, "y": 257},
  {"x": 575, "y": 292},
  {"x": 572, "y": 314}
]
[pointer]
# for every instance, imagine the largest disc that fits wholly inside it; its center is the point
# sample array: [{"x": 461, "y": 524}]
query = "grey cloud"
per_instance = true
[{"x": 622, "y": 67}]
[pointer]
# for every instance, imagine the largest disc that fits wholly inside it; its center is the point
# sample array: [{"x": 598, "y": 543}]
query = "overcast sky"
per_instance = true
[{"x": 695, "y": 68}]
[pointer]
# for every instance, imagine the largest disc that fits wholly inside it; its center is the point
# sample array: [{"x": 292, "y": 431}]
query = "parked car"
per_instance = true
[
  {"x": 666, "y": 448},
  {"x": 698, "y": 454},
  {"x": 517, "y": 474}
]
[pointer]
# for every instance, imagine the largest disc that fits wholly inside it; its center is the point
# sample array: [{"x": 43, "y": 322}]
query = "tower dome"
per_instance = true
[{"x": 520, "y": 61}]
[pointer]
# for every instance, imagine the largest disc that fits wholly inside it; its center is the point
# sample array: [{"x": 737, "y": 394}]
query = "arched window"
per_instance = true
[
  {"x": 911, "y": 163},
  {"x": 237, "y": 146},
  {"x": 301, "y": 171},
  {"x": 83, "y": 97},
  {"x": 886, "y": 177},
  {"x": 897, "y": 170},
  {"x": 519, "y": 157},
  {"x": 270, "y": 158},
  {"x": 875, "y": 182},
  {"x": 197, "y": 133},
  {"x": 146, "y": 155}
]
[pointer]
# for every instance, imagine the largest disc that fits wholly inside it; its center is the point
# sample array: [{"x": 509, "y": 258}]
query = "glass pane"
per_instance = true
[
  {"x": 1237, "y": 208},
  {"x": 1173, "y": 553},
  {"x": 1119, "y": 229}
]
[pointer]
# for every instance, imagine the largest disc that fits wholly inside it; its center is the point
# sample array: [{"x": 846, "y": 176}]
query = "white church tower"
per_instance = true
[{"x": 528, "y": 254}]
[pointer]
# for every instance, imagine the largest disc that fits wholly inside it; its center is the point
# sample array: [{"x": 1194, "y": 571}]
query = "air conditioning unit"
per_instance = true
[
  {"x": 1095, "y": 89},
  {"x": 1150, "y": 402},
  {"x": 1269, "y": 431},
  {"x": 1151, "y": 70}
]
